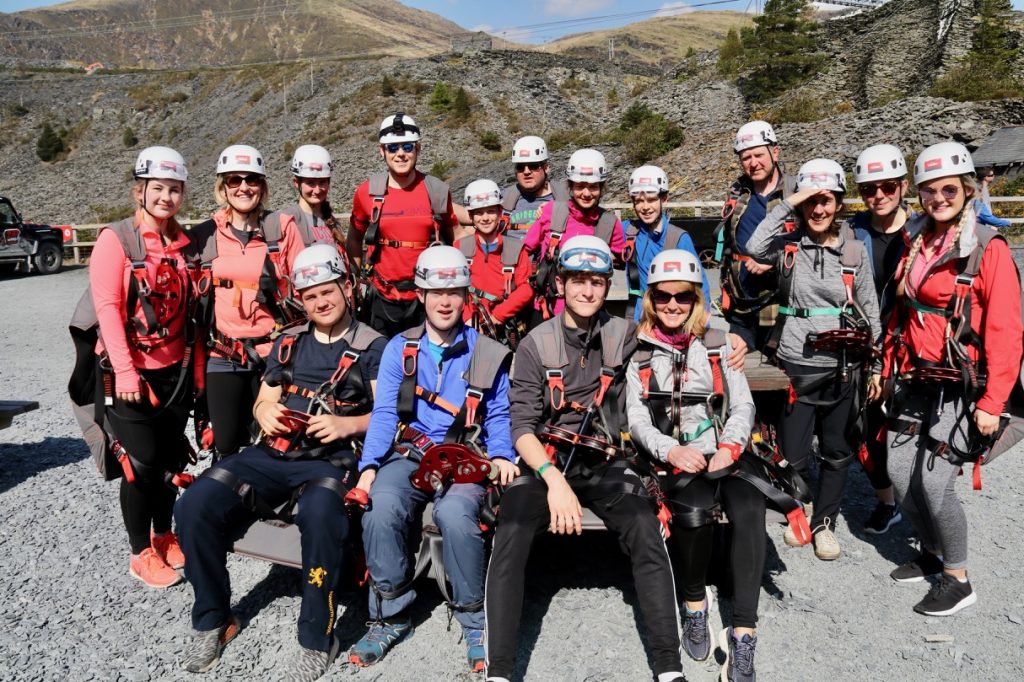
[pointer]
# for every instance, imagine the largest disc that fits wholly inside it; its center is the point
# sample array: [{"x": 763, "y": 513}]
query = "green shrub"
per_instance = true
[
  {"x": 489, "y": 140},
  {"x": 802, "y": 108},
  {"x": 129, "y": 138},
  {"x": 730, "y": 53},
  {"x": 440, "y": 99},
  {"x": 257, "y": 94},
  {"x": 387, "y": 88},
  {"x": 968, "y": 83},
  {"x": 645, "y": 134},
  {"x": 442, "y": 169},
  {"x": 460, "y": 105},
  {"x": 50, "y": 145}
]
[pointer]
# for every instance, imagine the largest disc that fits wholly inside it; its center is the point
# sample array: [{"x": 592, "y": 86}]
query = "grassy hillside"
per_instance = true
[
  {"x": 656, "y": 40},
  {"x": 128, "y": 33}
]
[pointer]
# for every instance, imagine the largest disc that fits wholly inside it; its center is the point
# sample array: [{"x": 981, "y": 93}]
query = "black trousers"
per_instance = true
[
  {"x": 877, "y": 450},
  {"x": 211, "y": 516},
  {"x": 229, "y": 398},
  {"x": 390, "y": 317},
  {"x": 800, "y": 422},
  {"x": 692, "y": 547},
  {"x": 155, "y": 437},
  {"x": 524, "y": 515}
]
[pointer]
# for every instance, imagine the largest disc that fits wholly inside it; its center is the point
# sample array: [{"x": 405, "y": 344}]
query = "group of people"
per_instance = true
[{"x": 350, "y": 377}]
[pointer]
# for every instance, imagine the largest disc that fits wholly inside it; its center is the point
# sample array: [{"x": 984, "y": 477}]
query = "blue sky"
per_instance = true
[{"x": 534, "y": 21}]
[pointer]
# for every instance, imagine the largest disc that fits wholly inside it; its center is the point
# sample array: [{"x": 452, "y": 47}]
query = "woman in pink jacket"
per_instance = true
[
  {"x": 558, "y": 221},
  {"x": 247, "y": 297},
  {"x": 145, "y": 346}
]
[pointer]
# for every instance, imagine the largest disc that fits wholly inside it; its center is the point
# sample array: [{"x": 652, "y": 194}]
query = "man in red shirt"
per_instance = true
[{"x": 395, "y": 216}]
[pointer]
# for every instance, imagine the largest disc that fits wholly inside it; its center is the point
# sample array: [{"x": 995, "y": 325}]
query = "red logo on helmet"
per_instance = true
[
  {"x": 817, "y": 177},
  {"x": 644, "y": 181},
  {"x": 446, "y": 273},
  {"x": 744, "y": 138},
  {"x": 309, "y": 271},
  {"x": 673, "y": 266},
  {"x": 586, "y": 170},
  {"x": 243, "y": 158},
  {"x": 169, "y": 166},
  {"x": 524, "y": 152},
  {"x": 933, "y": 164},
  {"x": 316, "y": 166},
  {"x": 482, "y": 197},
  {"x": 875, "y": 167}
]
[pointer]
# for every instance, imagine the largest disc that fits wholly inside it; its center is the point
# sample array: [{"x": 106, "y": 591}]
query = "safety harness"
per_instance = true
[
  {"x": 273, "y": 290},
  {"x": 559, "y": 192},
  {"x": 673, "y": 234},
  {"x": 546, "y": 264},
  {"x": 735, "y": 298},
  {"x": 483, "y": 302},
  {"x": 957, "y": 372},
  {"x": 149, "y": 308},
  {"x": 374, "y": 244}
]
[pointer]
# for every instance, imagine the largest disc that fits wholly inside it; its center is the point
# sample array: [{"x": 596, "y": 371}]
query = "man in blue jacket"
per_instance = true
[{"x": 430, "y": 390}]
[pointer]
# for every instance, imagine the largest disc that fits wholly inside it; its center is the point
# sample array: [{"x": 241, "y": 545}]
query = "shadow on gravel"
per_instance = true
[
  {"x": 558, "y": 563},
  {"x": 897, "y": 546},
  {"x": 22, "y": 461}
]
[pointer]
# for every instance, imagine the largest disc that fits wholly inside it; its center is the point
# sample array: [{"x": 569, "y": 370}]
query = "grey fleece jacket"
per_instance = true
[
  {"x": 698, "y": 379},
  {"x": 817, "y": 283}
]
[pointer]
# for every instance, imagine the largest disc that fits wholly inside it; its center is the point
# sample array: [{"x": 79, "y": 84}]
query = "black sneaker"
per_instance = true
[
  {"x": 923, "y": 566},
  {"x": 697, "y": 633},
  {"x": 946, "y": 597},
  {"x": 739, "y": 657},
  {"x": 883, "y": 518}
]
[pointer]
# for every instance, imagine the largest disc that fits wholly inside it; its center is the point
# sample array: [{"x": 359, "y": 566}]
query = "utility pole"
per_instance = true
[
  {"x": 310, "y": 77},
  {"x": 611, "y": 49}
]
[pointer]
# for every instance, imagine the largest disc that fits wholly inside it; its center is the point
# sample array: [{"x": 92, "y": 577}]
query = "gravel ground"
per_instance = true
[{"x": 70, "y": 611}]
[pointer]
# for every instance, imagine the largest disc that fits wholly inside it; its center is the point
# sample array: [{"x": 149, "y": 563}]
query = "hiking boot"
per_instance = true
[
  {"x": 739, "y": 657},
  {"x": 826, "y": 545},
  {"x": 167, "y": 548},
  {"x": 148, "y": 567},
  {"x": 946, "y": 597},
  {"x": 475, "y": 654},
  {"x": 378, "y": 640},
  {"x": 311, "y": 665},
  {"x": 922, "y": 566},
  {"x": 883, "y": 518},
  {"x": 204, "y": 651},
  {"x": 696, "y": 633}
]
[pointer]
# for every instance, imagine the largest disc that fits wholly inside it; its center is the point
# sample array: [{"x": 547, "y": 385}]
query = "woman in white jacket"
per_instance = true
[{"x": 692, "y": 415}]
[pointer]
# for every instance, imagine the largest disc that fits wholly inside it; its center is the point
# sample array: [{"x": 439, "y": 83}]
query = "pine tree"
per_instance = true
[
  {"x": 440, "y": 100},
  {"x": 49, "y": 146},
  {"x": 730, "y": 53},
  {"x": 782, "y": 49},
  {"x": 994, "y": 49},
  {"x": 387, "y": 88},
  {"x": 460, "y": 105}
]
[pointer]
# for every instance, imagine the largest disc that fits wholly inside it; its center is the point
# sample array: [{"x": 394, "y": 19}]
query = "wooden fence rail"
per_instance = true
[{"x": 699, "y": 208}]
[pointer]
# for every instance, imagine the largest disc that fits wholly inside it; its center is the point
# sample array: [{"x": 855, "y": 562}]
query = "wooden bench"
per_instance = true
[{"x": 9, "y": 409}]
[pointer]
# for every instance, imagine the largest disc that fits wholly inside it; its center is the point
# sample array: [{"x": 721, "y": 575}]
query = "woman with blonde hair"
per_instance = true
[
  {"x": 675, "y": 380},
  {"x": 953, "y": 354},
  {"x": 245, "y": 289}
]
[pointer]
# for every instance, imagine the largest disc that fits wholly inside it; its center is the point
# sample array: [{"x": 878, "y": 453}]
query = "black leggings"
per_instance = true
[
  {"x": 800, "y": 421},
  {"x": 692, "y": 547},
  {"x": 155, "y": 437},
  {"x": 524, "y": 515},
  {"x": 229, "y": 398},
  {"x": 877, "y": 450}
]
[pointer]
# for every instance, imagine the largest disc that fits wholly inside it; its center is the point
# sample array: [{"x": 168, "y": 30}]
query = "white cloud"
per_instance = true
[
  {"x": 574, "y": 8},
  {"x": 670, "y": 9},
  {"x": 486, "y": 28}
]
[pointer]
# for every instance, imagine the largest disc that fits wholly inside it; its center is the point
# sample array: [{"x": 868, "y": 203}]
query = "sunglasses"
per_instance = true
[
  {"x": 234, "y": 181},
  {"x": 949, "y": 192},
  {"x": 663, "y": 297},
  {"x": 536, "y": 166},
  {"x": 870, "y": 189},
  {"x": 393, "y": 147}
]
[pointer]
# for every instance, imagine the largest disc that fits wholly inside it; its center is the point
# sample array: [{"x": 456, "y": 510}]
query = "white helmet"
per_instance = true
[
  {"x": 821, "y": 174},
  {"x": 398, "y": 128},
  {"x": 675, "y": 265},
  {"x": 648, "y": 179},
  {"x": 241, "y": 158},
  {"x": 585, "y": 253},
  {"x": 442, "y": 267},
  {"x": 587, "y": 165},
  {"x": 942, "y": 160},
  {"x": 317, "y": 264},
  {"x": 754, "y": 134},
  {"x": 160, "y": 162},
  {"x": 529, "y": 149},
  {"x": 880, "y": 162},
  {"x": 312, "y": 161},
  {"x": 482, "y": 193}
]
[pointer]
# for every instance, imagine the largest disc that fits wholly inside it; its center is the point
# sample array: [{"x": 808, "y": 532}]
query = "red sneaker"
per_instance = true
[
  {"x": 168, "y": 549},
  {"x": 152, "y": 570}
]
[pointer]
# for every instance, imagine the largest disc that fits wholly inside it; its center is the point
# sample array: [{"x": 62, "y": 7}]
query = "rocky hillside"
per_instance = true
[
  {"x": 132, "y": 34},
  {"x": 663, "y": 41},
  {"x": 572, "y": 101}
]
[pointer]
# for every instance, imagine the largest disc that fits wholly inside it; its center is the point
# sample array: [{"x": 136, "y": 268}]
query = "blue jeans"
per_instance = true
[{"x": 391, "y": 534}]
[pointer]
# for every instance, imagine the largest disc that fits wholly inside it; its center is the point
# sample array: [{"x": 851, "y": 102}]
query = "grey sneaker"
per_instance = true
[
  {"x": 696, "y": 633},
  {"x": 920, "y": 567},
  {"x": 311, "y": 665},
  {"x": 204, "y": 651},
  {"x": 739, "y": 657}
]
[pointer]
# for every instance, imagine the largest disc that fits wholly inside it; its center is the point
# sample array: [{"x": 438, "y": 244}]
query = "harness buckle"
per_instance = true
[{"x": 410, "y": 351}]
